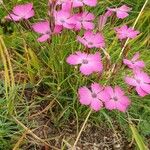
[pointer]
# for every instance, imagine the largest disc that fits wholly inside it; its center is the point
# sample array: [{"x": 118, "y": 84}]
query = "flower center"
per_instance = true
[
  {"x": 63, "y": 21},
  {"x": 138, "y": 81},
  {"x": 48, "y": 32},
  {"x": 90, "y": 43},
  {"x": 115, "y": 98},
  {"x": 94, "y": 95},
  {"x": 85, "y": 61},
  {"x": 81, "y": 20}
]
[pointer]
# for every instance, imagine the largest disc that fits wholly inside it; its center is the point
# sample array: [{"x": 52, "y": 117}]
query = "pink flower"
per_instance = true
[
  {"x": 103, "y": 19},
  {"x": 44, "y": 29},
  {"x": 115, "y": 99},
  {"x": 141, "y": 82},
  {"x": 89, "y": 62},
  {"x": 21, "y": 12},
  {"x": 92, "y": 40},
  {"x": 84, "y": 20},
  {"x": 122, "y": 12},
  {"x": 124, "y": 32},
  {"x": 91, "y": 97},
  {"x": 134, "y": 63},
  {"x": 80, "y": 3},
  {"x": 65, "y": 19}
]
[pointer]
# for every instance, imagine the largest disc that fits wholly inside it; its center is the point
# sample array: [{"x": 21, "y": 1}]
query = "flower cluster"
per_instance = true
[
  {"x": 68, "y": 14},
  {"x": 98, "y": 96},
  {"x": 64, "y": 18},
  {"x": 140, "y": 80}
]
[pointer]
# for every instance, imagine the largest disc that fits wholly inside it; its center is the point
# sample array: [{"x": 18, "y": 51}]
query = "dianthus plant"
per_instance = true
[{"x": 70, "y": 15}]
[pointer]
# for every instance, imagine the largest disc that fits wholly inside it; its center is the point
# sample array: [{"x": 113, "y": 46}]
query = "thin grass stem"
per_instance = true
[{"x": 83, "y": 126}]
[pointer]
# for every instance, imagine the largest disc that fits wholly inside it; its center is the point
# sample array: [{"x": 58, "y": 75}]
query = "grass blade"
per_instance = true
[{"x": 138, "y": 138}]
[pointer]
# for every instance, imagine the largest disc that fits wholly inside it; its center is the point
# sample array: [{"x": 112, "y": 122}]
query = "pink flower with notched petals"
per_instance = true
[
  {"x": 124, "y": 32},
  {"x": 115, "y": 99},
  {"x": 90, "y": 63},
  {"x": 43, "y": 28},
  {"x": 121, "y": 12},
  {"x": 141, "y": 82},
  {"x": 92, "y": 40},
  {"x": 65, "y": 19},
  {"x": 21, "y": 12},
  {"x": 84, "y": 20},
  {"x": 80, "y": 3},
  {"x": 91, "y": 97},
  {"x": 134, "y": 63}
]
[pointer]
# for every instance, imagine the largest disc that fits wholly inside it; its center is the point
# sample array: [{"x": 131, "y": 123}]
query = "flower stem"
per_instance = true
[
  {"x": 77, "y": 139},
  {"x": 106, "y": 54}
]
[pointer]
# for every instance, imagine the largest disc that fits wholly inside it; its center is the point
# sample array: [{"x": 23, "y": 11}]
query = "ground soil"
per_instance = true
[{"x": 93, "y": 137}]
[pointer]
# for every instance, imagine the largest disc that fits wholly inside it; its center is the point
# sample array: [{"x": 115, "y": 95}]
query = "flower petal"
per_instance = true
[
  {"x": 88, "y": 25},
  {"x": 140, "y": 91},
  {"x": 86, "y": 69},
  {"x": 140, "y": 64},
  {"x": 127, "y": 62},
  {"x": 122, "y": 15},
  {"x": 29, "y": 14},
  {"x": 110, "y": 105},
  {"x": 75, "y": 59},
  {"x": 58, "y": 29},
  {"x": 121, "y": 107},
  {"x": 136, "y": 56},
  {"x": 44, "y": 38},
  {"x": 96, "y": 88},
  {"x": 104, "y": 96},
  {"x": 13, "y": 17},
  {"x": 22, "y": 10},
  {"x": 146, "y": 87},
  {"x": 109, "y": 90},
  {"x": 96, "y": 104},
  {"x": 118, "y": 91},
  {"x": 124, "y": 100},
  {"x": 41, "y": 27},
  {"x": 84, "y": 96},
  {"x": 130, "y": 81}
]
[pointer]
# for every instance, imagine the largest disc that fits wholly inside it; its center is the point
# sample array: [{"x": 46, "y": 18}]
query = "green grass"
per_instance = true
[{"x": 41, "y": 71}]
